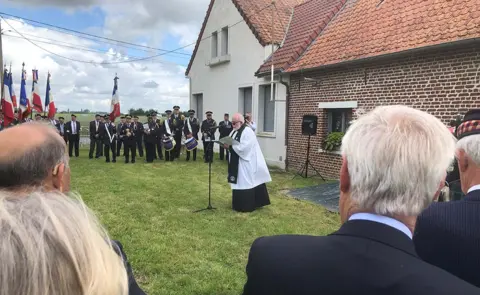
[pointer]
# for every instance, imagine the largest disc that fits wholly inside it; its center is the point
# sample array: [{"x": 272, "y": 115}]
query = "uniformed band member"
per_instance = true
[
  {"x": 191, "y": 128},
  {"x": 225, "y": 128},
  {"x": 151, "y": 133},
  {"x": 177, "y": 130},
  {"x": 208, "y": 135},
  {"x": 108, "y": 134},
  {"x": 129, "y": 140},
  {"x": 95, "y": 141},
  {"x": 119, "y": 136},
  {"x": 167, "y": 132},
  {"x": 158, "y": 143},
  {"x": 138, "y": 129}
]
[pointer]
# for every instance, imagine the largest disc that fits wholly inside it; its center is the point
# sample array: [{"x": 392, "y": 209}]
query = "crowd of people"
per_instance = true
[{"x": 394, "y": 237}]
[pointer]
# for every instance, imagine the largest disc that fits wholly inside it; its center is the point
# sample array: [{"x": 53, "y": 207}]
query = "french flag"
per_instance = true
[
  {"x": 7, "y": 105},
  {"x": 12, "y": 91},
  {"x": 25, "y": 104},
  {"x": 49, "y": 101},
  {"x": 115, "y": 106},
  {"x": 37, "y": 101}
]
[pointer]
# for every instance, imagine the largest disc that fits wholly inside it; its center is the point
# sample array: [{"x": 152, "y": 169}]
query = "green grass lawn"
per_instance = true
[{"x": 148, "y": 207}]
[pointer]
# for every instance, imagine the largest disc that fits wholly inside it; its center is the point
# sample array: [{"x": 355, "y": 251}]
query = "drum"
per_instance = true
[
  {"x": 169, "y": 144},
  {"x": 191, "y": 144}
]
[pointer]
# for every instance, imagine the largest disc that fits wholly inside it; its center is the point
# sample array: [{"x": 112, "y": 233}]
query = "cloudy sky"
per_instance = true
[{"x": 85, "y": 79}]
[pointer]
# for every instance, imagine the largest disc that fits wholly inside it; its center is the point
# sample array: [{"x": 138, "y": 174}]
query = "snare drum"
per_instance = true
[
  {"x": 191, "y": 144},
  {"x": 169, "y": 144}
]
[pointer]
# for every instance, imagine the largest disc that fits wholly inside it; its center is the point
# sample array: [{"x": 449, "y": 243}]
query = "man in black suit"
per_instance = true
[
  {"x": 191, "y": 129},
  {"x": 129, "y": 141},
  {"x": 225, "y": 128},
  {"x": 61, "y": 128},
  {"x": 138, "y": 129},
  {"x": 119, "y": 136},
  {"x": 95, "y": 141},
  {"x": 383, "y": 188},
  {"x": 447, "y": 234},
  {"x": 107, "y": 132},
  {"x": 73, "y": 133}
]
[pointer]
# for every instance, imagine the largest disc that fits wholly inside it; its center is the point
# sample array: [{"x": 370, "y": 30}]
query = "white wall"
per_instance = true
[{"x": 220, "y": 83}]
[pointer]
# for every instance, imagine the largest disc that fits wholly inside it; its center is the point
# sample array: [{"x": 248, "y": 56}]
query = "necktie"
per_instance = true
[{"x": 135, "y": 127}]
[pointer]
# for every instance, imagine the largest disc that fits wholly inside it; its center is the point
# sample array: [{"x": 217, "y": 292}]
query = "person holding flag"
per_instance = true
[
  {"x": 7, "y": 105},
  {"x": 25, "y": 106},
  {"x": 115, "y": 106},
  {"x": 37, "y": 101},
  {"x": 49, "y": 103}
]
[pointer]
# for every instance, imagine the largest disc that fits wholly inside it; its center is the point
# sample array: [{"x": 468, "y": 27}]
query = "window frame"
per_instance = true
[
  {"x": 214, "y": 45},
  {"x": 225, "y": 36},
  {"x": 261, "y": 108}
]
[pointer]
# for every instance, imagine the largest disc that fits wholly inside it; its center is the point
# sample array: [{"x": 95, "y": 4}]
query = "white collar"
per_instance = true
[
  {"x": 383, "y": 219},
  {"x": 474, "y": 188}
]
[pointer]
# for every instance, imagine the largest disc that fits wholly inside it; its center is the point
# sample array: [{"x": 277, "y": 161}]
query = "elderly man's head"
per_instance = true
[
  {"x": 237, "y": 121},
  {"x": 33, "y": 155},
  {"x": 394, "y": 162},
  {"x": 468, "y": 150}
]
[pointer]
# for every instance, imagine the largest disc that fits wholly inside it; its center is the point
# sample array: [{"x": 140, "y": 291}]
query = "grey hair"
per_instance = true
[
  {"x": 471, "y": 146},
  {"x": 397, "y": 158},
  {"x": 53, "y": 244},
  {"x": 33, "y": 167}
]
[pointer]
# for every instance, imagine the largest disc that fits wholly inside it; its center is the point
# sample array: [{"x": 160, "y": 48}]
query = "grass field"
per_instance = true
[{"x": 148, "y": 207}]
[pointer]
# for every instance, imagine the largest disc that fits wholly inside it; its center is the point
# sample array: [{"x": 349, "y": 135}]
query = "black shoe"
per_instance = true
[
  {"x": 133, "y": 161},
  {"x": 114, "y": 161},
  {"x": 107, "y": 161},
  {"x": 126, "y": 162}
]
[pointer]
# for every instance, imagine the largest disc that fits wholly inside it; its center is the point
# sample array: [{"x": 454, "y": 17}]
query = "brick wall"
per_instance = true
[{"x": 442, "y": 82}]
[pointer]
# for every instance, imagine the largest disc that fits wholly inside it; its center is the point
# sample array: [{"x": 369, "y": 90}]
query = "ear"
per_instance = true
[
  {"x": 344, "y": 176},
  {"x": 57, "y": 176},
  {"x": 462, "y": 160}
]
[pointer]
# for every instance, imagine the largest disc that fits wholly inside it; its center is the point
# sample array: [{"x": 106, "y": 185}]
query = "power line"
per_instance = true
[
  {"x": 119, "y": 62},
  {"x": 86, "y": 34},
  {"x": 81, "y": 48}
]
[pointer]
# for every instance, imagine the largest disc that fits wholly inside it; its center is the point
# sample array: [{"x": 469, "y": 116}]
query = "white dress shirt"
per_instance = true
[
  {"x": 474, "y": 188},
  {"x": 383, "y": 219}
]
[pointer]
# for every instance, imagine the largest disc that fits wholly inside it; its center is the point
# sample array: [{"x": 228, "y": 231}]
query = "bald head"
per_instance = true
[
  {"x": 30, "y": 154},
  {"x": 237, "y": 117}
]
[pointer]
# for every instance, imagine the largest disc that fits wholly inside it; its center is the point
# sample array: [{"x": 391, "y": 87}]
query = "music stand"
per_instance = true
[
  {"x": 208, "y": 150},
  {"x": 307, "y": 163}
]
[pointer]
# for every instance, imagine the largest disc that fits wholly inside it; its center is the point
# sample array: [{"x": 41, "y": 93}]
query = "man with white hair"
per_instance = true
[
  {"x": 394, "y": 163},
  {"x": 247, "y": 170},
  {"x": 447, "y": 234}
]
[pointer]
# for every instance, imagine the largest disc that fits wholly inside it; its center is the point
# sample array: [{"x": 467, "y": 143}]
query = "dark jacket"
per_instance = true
[
  {"x": 225, "y": 128},
  {"x": 139, "y": 130},
  {"x": 195, "y": 124},
  {"x": 93, "y": 129},
  {"x": 207, "y": 128},
  {"x": 134, "y": 288},
  {"x": 69, "y": 129},
  {"x": 362, "y": 257},
  {"x": 448, "y": 235},
  {"x": 103, "y": 132}
]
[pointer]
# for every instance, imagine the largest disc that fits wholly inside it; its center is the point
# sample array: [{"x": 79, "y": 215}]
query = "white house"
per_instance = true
[{"x": 234, "y": 42}]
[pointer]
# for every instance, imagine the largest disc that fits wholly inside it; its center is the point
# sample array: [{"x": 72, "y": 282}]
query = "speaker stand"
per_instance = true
[{"x": 307, "y": 164}]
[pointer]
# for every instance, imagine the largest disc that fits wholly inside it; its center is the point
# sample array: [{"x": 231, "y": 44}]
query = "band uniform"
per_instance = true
[
  {"x": 176, "y": 126},
  {"x": 108, "y": 134},
  {"x": 129, "y": 140},
  {"x": 225, "y": 128},
  {"x": 208, "y": 135},
  {"x": 151, "y": 138},
  {"x": 138, "y": 130},
  {"x": 195, "y": 125}
]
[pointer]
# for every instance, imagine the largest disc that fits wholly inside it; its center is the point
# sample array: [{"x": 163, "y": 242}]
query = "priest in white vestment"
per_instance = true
[{"x": 247, "y": 170}]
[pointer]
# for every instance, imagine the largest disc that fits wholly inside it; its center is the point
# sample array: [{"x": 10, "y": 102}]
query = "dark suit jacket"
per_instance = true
[
  {"x": 363, "y": 257},
  {"x": 68, "y": 126},
  {"x": 93, "y": 128},
  {"x": 134, "y": 288},
  {"x": 448, "y": 235}
]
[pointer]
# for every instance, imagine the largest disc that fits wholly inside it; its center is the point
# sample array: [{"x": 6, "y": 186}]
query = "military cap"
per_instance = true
[
  {"x": 208, "y": 113},
  {"x": 226, "y": 114},
  {"x": 168, "y": 111},
  {"x": 153, "y": 114},
  {"x": 122, "y": 117},
  {"x": 191, "y": 111},
  {"x": 176, "y": 107},
  {"x": 128, "y": 117},
  {"x": 470, "y": 124},
  {"x": 98, "y": 115}
]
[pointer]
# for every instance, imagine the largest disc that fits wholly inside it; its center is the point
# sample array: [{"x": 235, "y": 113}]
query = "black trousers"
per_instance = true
[
  {"x": 208, "y": 150},
  {"x": 107, "y": 147},
  {"x": 158, "y": 146},
  {"x": 140, "y": 146},
  {"x": 73, "y": 141},
  {"x": 130, "y": 148},
  {"x": 178, "y": 144},
  {"x": 119, "y": 146},
  {"x": 95, "y": 144},
  {"x": 170, "y": 155},
  {"x": 222, "y": 153},
  {"x": 150, "y": 151}
]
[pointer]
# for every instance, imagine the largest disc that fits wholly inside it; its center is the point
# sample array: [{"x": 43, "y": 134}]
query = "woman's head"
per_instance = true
[{"x": 52, "y": 244}]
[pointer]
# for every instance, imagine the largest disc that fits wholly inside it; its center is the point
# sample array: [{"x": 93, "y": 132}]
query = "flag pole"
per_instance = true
[{"x": 48, "y": 81}]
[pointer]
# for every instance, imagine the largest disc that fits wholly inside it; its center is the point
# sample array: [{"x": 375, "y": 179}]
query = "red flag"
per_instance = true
[
  {"x": 115, "y": 106},
  {"x": 49, "y": 98},
  {"x": 36, "y": 100}
]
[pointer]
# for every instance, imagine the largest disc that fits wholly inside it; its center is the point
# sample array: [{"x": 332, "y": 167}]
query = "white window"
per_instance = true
[
  {"x": 198, "y": 105},
  {"x": 245, "y": 100},
  {"x": 224, "y": 41},
  {"x": 337, "y": 120},
  {"x": 266, "y": 110},
  {"x": 214, "y": 44}
]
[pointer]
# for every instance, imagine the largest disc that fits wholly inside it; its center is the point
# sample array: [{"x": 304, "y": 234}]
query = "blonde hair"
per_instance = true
[{"x": 53, "y": 244}]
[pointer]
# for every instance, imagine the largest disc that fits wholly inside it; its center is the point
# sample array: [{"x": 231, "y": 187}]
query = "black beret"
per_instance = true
[
  {"x": 98, "y": 115},
  {"x": 122, "y": 117},
  {"x": 470, "y": 124},
  {"x": 61, "y": 118},
  {"x": 38, "y": 115},
  {"x": 73, "y": 115}
]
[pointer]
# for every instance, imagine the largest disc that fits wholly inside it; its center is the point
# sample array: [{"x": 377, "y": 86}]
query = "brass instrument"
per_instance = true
[{"x": 128, "y": 133}]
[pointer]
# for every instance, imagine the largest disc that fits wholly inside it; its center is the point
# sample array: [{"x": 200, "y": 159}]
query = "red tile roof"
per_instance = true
[
  {"x": 369, "y": 28},
  {"x": 258, "y": 16},
  {"x": 308, "y": 21}
]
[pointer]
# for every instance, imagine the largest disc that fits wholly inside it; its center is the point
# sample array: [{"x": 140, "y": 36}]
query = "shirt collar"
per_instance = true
[
  {"x": 474, "y": 188},
  {"x": 383, "y": 219}
]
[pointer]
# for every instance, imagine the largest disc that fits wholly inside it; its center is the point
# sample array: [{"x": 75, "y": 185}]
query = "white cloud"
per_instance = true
[{"x": 77, "y": 85}]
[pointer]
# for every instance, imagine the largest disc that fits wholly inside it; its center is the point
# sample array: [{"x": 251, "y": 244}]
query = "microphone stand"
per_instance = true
[{"x": 209, "y": 151}]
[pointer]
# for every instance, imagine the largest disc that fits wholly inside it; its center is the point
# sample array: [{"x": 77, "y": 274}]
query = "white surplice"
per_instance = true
[{"x": 252, "y": 168}]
